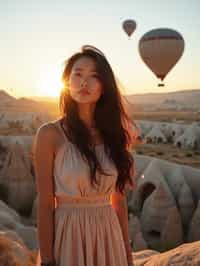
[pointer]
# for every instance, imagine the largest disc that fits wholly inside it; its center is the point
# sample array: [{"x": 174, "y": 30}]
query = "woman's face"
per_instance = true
[{"x": 84, "y": 83}]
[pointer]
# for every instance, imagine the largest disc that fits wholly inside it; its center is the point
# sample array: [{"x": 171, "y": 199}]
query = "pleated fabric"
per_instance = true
[{"x": 88, "y": 235}]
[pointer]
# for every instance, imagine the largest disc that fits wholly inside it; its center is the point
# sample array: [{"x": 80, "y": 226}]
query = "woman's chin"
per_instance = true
[{"x": 84, "y": 100}]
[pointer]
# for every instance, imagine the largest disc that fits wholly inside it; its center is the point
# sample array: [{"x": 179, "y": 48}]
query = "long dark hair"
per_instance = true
[{"x": 110, "y": 119}]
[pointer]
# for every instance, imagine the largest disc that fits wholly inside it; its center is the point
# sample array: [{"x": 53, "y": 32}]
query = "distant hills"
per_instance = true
[
  {"x": 7, "y": 100},
  {"x": 9, "y": 103},
  {"x": 5, "y": 97},
  {"x": 44, "y": 99},
  {"x": 188, "y": 97},
  {"x": 178, "y": 100},
  {"x": 185, "y": 96}
]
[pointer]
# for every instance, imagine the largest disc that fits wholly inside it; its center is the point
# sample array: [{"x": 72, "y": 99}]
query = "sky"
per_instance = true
[{"x": 38, "y": 36}]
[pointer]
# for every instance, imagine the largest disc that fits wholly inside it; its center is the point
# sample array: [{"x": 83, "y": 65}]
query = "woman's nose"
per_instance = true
[{"x": 83, "y": 82}]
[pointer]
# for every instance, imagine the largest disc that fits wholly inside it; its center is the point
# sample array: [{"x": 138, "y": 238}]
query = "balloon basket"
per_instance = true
[{"x": 161, "y": 84}]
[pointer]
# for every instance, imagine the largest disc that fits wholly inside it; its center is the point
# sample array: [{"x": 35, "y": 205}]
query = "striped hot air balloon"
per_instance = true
[{"x": 161, "y": 49}]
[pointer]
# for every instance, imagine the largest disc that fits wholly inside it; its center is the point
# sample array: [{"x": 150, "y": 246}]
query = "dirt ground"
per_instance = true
[
  {"x": 170, "y": 153},
  {"x": 167, "y": 116}
]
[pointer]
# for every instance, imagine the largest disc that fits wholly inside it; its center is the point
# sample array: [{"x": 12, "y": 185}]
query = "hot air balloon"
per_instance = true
[
  {"x": 129, "y": 26},
  {"x": 160, "y": 49}
]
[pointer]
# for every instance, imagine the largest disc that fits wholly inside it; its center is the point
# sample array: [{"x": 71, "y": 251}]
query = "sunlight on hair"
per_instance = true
[
  {"x": 121, "y": 86},
  {"x": 49, "y": 81}
]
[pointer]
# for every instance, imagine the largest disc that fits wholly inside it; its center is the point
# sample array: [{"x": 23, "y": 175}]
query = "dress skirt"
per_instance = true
[{"x": 88, "y": 233}]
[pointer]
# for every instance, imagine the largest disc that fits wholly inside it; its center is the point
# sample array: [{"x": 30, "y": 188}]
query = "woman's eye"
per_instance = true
[{"x": 96, "y": 76}]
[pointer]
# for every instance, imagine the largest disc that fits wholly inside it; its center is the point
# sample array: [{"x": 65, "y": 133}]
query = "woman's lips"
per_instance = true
[{"x": 84, "y": 92}]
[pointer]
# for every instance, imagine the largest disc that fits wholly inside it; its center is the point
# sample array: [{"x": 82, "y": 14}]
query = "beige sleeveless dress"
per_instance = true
[{"x": 87, "y": 229}]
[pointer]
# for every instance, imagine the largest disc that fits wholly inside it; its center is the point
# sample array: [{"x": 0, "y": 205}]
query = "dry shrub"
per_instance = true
[{"x": 8, "y": 253}]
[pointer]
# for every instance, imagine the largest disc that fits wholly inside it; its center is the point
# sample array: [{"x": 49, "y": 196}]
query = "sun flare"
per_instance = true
[{"x": 49, "y": 82}]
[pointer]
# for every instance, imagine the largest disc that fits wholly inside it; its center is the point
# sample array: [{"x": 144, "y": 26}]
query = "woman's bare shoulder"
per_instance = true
[{"x": 48, "y": 131}]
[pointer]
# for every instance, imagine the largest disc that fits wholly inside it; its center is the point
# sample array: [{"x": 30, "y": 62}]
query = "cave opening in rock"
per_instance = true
[
  {"x": 159, "y": 140},
  {"x": 145, "y": 192},
  {"x": 154, "y": 233},
  {"x": 179, "y": 144}
]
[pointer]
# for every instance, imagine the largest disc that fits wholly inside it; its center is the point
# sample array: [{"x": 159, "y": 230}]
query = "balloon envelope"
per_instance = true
[
  {"x": 129, "y": 26},
  {"x": 160, "y": 49}
]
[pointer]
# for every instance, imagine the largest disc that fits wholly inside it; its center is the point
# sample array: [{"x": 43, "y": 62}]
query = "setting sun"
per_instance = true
[{"x": 49, "y": 82}]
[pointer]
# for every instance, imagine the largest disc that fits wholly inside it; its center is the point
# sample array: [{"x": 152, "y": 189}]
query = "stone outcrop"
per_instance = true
[
  {"x": 17, "y": 179},
  {"x": 135, "y": 234},
  {"x": 12, "y": 226},
  {"x": 165, "y": 202},
  {"x": 184, "y": 255},
  {"x": 194, "y": 228}
]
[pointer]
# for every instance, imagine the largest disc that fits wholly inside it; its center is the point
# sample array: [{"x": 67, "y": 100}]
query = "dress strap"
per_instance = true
[{"x": 57, "y": 123}]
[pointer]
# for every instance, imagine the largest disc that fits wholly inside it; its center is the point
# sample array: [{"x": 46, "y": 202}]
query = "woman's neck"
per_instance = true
[{"x": 86, "y": 114}]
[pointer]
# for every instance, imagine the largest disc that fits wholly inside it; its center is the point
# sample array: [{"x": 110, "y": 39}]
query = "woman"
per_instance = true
[{"x": 83, "y": 159}]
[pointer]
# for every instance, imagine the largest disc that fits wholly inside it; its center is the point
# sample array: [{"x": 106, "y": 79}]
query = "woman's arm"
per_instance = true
[
  {"x": 120, "y": 205},
  {"x": 43, "y": 163}
]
